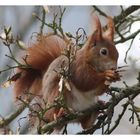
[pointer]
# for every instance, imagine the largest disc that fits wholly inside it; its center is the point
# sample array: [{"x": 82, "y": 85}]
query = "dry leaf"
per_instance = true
[
  {"x": 61, "y": 84},
  {"x": 46, "y": 8},
  {"x": 3, "y": 35},
  {"x": 21, "y": 44},
  {"x": 6, "y": 84},
  {"x": 11, "y": 80},
  {"x": 67, "y": 85}
]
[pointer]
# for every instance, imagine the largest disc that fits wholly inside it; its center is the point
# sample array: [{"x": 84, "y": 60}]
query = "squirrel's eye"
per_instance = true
[{"x": 103, "y": 51}]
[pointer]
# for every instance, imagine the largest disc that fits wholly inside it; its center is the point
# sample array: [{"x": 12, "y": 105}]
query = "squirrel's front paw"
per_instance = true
[{"x": 111, "y": 76}]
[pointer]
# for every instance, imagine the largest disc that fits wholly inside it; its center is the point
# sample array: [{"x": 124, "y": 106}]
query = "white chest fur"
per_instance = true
[{"x": 82, "y": 100}]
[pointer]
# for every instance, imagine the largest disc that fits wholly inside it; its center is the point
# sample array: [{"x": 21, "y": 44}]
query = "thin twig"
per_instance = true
[
  {"x": 126, "y": 54},
  {"x": 133, "y": 35},
  {"x": 117, "y": 122},
  {"x": 43, "y": 19},
  {"x": 100, "y": 11}
]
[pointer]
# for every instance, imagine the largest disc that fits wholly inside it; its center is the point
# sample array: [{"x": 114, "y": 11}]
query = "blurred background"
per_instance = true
[{"x": 24, "y": 24}]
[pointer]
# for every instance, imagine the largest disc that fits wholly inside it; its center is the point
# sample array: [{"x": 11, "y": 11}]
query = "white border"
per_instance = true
[{"x": 69, "y": 2}]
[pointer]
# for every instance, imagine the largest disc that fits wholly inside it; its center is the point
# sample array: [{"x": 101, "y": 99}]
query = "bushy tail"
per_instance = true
[{"x": 39, "y": 56}]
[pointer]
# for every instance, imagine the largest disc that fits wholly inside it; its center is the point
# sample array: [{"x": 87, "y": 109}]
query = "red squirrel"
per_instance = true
[{"x": 94, "y": 65}]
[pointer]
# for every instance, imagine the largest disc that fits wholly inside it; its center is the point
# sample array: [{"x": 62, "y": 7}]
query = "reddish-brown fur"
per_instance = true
[
  {"x": 89, "y": 70},
  {"x": 42, "y": 53},
  {"x": 39, "y": 56}
]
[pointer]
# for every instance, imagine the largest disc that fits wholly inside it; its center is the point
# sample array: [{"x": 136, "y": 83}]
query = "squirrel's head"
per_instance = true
[{"x": 99, "y": 48}]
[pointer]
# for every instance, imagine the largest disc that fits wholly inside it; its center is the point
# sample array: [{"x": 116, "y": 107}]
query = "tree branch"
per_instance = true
[
  {"x": 125, "y": 13},
  {"x": 10, "y": 118},
  {"x": 132, "y": 36},
  {"x": 124, "y": 93},
  {"x": 100, "y": 11}
]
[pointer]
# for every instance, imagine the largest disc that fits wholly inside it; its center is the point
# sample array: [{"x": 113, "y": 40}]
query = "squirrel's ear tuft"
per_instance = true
[
  {"x": 99, "y": 33},
  {"x": 96, "y": 34},
  {"x": 97, "y": 29},
  {"x": 109, "y": 32}
]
